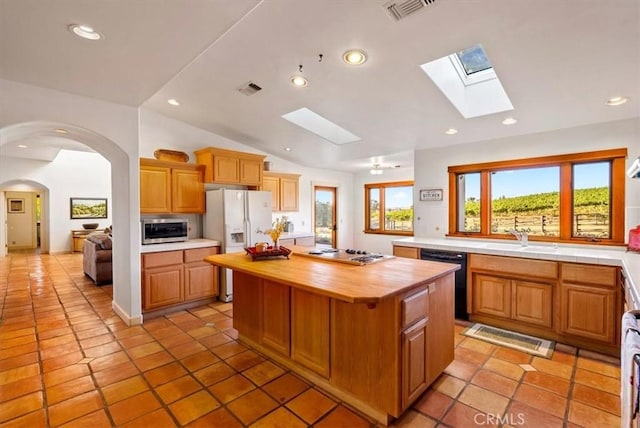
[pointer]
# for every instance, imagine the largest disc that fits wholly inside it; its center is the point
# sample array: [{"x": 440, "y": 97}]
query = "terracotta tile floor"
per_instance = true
[{"x": 67, "y": 360}]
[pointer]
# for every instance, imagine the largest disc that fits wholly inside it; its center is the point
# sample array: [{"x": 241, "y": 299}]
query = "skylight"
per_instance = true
[
  {"x": 320, "y": 126},
  {"x": 473, "y": 59},
  {"x": 469, "y": 81}
]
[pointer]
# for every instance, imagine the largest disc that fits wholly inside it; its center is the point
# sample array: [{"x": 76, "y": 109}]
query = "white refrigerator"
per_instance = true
[{"x": 234, "y": 217}]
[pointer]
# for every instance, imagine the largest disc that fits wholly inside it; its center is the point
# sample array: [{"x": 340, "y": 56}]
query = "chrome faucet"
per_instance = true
[{"x": 521, "y": 236}]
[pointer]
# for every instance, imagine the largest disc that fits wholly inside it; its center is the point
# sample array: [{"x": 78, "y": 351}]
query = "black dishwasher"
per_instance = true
[{"x": 458, "y": 258}]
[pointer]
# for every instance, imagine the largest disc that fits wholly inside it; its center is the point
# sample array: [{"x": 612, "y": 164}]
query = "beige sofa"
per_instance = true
[{"x": 96, "y": 258}]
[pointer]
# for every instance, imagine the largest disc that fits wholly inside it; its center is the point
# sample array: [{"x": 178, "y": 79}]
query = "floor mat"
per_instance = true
[{"x": 521, "y": 342}]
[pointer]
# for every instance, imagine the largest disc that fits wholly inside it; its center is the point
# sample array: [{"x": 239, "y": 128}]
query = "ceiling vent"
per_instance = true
[
  {"x": 399, "y": 9},
  {"x": 249, "y": 88}
]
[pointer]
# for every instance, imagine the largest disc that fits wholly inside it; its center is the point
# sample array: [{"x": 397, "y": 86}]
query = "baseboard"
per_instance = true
[{"x": 125, "y": 316}]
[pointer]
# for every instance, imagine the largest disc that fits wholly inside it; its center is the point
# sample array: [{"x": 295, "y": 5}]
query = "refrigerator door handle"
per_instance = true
[{"x": 247, "y": 228}]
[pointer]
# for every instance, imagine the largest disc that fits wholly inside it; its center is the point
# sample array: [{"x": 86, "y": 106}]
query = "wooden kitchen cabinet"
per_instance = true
[
  {"x": 310, "y": 317},
  {"x": 274, "y": 316},
  {"x": 171, "y": 187},
  {"x": 200, "y": 277},
  {"x": 574, "y": 303},
  {"x": 407, "y": 252},
  {"x": 532, "y": 302},
  {"x": 231, "y": 167},
  {"x": 303, "y": 241},
  {"x": 414, "y": 361},
  {"x": 590, "y": 302},
  {"x": 173, "y": 278},
  {"x": 163, "y": 279},
  {"x": 491, "y": 295},
  {"x": 284, "y": 190}
]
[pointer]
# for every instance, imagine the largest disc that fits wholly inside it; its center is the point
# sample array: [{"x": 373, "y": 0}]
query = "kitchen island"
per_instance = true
[{"x": 376, "y": 336}]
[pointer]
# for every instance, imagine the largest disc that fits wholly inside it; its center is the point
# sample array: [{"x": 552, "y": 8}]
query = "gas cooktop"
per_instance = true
[{"x": 350, "y": 256}]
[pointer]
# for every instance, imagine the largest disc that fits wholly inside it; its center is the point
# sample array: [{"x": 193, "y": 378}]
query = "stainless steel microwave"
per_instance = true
[{"x": 162, "y": 230}]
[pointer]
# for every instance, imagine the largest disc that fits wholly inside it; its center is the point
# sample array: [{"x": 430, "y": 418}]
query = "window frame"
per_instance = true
[
  {"x": 367, "y": 212},
  {"x": 565, "y": 162}
]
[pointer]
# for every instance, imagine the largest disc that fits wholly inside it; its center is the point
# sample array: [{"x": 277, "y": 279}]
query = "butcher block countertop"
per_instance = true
[{"x": 350, "y": 283}]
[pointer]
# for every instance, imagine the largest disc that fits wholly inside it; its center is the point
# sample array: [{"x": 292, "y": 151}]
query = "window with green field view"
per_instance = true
[
  {"x": 556, "y": 198},
  {"x": 592, "y": 200},
  {"x": 526, "y": 200},
  {"x": 389, "y": 208}
]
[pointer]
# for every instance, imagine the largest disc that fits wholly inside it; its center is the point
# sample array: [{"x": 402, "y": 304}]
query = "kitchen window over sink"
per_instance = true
[
  {"x": 389, "y": 208},
  {"x": 572, "y": 198}
]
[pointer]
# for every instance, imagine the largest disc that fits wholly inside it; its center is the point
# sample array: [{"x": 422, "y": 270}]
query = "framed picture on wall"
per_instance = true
[
  {"x": 15, "y": 205},
  {"x": 88, "y": 208}
]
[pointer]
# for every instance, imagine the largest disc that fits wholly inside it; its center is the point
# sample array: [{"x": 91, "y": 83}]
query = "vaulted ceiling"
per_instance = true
[{"x": 559, "y": 62}]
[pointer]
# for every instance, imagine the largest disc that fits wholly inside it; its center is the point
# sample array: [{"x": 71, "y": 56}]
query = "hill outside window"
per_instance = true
[
  {"x": 389, "y": 208},
  {"x": 571, "y": 198}
]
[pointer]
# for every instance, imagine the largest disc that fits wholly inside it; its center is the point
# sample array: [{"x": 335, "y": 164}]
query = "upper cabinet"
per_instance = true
[
  {"x": 230, "y": 167},
  {"x": 171, "y": 187},
  {"x": 284, "y": 190}
]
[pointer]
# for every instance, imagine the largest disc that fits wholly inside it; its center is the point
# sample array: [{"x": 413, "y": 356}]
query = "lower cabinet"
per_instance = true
[
  {"x": 414, "y": 361},
  {"x": 407, "y": 252},
  {"x": 590, "y": 302},
  {"x": 574, "y": 303},
  {"x": 163, "y": 286},
  {"x": 386, "y": 354},
  {"x": 304, "y": 241},
  {"x": 171, "y": 278},
  {"x": 274, "y": 316}
]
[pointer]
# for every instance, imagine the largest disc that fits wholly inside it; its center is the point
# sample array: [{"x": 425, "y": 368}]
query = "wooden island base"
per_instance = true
[{"x": 378, "y": 356}]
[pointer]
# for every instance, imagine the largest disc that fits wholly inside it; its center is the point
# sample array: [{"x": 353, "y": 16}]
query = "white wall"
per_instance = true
[
  {"x": 111, "y": 130},
  {"x": 431, "y": 165},
  {"x": 160, "y": 132},
  {"x": 71, "y": 174}
]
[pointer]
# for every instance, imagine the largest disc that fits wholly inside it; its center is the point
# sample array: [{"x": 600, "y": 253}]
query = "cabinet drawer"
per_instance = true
[
  {"x": 198, "y": 254},
  {"x": 415, "y": 307},
  {"x": 604, "y": 276},
  {"x": 407, "y": 252},
  {"x": 161, "y": 259},
  {"x": 514, "y": 265}
]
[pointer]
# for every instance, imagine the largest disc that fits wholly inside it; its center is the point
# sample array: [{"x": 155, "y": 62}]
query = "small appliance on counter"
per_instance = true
[
  {"x": 164, "y": 230},
  {"x": 634, "y": 239}
]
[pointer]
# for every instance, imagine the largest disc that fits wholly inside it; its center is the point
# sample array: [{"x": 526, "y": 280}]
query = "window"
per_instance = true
[
  {"x": 576, "y": 197},
  {"x": 389, "y": 208}
]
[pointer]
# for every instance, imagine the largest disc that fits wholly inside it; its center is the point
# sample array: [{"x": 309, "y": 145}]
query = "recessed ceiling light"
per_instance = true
[
  {"x": 61, "y": 131},
  {"x": 287, "y": 149},
  {"x": 616, "y": 101},
  {"x": 299, "y": 81},
  {"x": 22, "y": 146},
  {"x": 173, "y": 102},
  {"x": 509, "y": 121},
  {"x": 354, "y": 57},
  {"x": 85, "y": 32},
  {"x": 451, "y": 131}
]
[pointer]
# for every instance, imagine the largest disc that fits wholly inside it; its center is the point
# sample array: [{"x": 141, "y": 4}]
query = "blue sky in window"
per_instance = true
[
  {"x": 538, "y": 180},
  {"x": 398, "y": 197}
]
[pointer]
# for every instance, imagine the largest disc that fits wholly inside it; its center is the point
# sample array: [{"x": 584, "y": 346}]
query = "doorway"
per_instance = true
[{"x": 324, "y": 223}]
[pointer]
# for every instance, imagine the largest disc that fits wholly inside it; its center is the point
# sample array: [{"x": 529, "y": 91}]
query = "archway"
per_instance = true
[{"x": 126, "y": 265}]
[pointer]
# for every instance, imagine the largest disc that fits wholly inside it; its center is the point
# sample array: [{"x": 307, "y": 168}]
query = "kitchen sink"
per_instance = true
[
  {"x": 539, "y": 249},
  {"x": 504, "y": 247}
]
